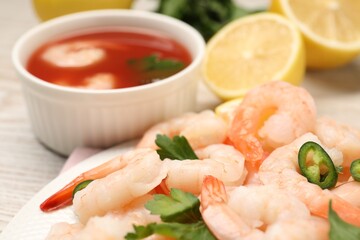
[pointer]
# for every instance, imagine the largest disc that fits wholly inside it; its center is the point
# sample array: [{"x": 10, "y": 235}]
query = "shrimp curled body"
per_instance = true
[
  {"x": 119, "y": 188},
  {"x": 276, "y": 220},
  {"x": 227, "y": 220},
  {"x": 280, "y": 169},
  {"x": 220, "y": 160},
  {"x": 270, "y": 116}
]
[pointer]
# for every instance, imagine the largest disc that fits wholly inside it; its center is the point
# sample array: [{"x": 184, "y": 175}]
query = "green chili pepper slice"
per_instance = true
[
  {"x": 316, "y": 165},
  {"x": 355, "y": 170},
  {"x": 81, "y": 186}
]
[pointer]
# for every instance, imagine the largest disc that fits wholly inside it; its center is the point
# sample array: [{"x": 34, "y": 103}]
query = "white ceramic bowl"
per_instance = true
[{"x": 65, "y": 118}]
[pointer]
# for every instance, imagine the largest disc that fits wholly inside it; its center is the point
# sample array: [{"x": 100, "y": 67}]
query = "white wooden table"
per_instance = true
[{"x": 26, "y": 166}]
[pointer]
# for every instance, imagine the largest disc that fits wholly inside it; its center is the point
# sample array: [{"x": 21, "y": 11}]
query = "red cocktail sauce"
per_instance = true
[{"x": 119, "y": 49}]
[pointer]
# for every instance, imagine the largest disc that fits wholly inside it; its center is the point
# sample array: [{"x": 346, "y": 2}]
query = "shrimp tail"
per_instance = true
[
  {"x": 344, "y": 209},
  {"x": 162, "y": 188},
  {"x": 55, "y": 203},
  {"x": 347, "y": 212},
  {"x": 63, "y": 197},
  {"x": 222, "y": 221}
]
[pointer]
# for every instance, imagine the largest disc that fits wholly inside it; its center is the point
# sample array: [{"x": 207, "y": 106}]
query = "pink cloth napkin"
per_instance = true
[{"x": 78, "y": 155}]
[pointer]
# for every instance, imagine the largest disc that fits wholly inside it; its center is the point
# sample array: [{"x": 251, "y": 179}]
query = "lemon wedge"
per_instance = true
[
  {"x": 251, "y": 51},
  {"x": 331, "y": 29},
  {"x": 47, "y": 9},
  {"x": 227, "y": 109}
]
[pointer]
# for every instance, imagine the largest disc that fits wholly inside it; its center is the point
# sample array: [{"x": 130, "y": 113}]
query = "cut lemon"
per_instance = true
[
  {"x": 253, "y": 50},
  {"x": 47, "y": 9},
  {"x": 227, "y": 109},
  {"x": 331, "y": 29}
]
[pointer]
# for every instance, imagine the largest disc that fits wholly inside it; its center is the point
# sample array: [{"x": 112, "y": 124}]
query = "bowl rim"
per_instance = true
[{"x": 166, "y": 20}]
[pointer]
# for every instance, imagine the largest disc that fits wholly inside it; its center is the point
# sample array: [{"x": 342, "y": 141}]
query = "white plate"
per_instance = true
[{"x": 31, "y": 223}]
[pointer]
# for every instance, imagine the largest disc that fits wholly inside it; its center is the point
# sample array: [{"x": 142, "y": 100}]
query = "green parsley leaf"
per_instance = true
[
  {"x": 180, "y": 207},
  {"x": 178, "y": 231},
  {"x": 341, "y": 230},
  {"x": 141, "y": 232},
  {"x": 181, "y": 215},
  {"x": 177, "y": 148},
  {"x": 153, "y": 63},
  {"x": 173, "y": 8}
]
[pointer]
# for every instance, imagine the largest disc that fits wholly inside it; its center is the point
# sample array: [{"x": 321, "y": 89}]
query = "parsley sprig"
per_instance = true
[
  {"x": 207, "y": 16},
  {"x": 181, "y": 207},
  {"x": 180, "y": 215},
  {"x": 154, "y": 63},
  {"x": 152, "y": 68},
  {"x": 179, "y": 231},
  {"x": 177, "y": 148}
]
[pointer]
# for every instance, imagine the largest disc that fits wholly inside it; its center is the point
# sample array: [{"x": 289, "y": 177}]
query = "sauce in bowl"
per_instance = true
[{"x": 109, "y": 59}]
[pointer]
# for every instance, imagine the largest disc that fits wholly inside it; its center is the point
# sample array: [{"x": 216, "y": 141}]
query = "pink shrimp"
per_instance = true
[
  {"x": 76, "y": 54},
  {"x": 271, "y": 116},
  {"x": 200, "y": 129},
  {"x": 222, "y": 221},
  {"x": 349, "y": 191},
  {"x": 220, "y": 160},
  {"x": 341, "y": 136},
  {"x": 63, "y": 197},
  {"x": 113, "y": 225},
  {"x": 281, "y": 168},
  {"x": 116, "y": 190},
  {"x": 64, "y": 231},
  {"x": 281, "y": 217}
]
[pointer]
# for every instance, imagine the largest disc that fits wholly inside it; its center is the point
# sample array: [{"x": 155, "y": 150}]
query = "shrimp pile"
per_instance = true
[{"x": 246, "y": 176}]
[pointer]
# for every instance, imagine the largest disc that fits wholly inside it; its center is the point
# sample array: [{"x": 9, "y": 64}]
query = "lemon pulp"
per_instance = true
[
  {"x": 331, "y": 29},
  {"x": 251, "y": 51}
]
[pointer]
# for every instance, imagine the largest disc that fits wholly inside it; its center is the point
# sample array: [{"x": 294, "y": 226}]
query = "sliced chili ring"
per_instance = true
[
  {"x": 355, "y": 170},
  {"x": 316, "y": 165}
]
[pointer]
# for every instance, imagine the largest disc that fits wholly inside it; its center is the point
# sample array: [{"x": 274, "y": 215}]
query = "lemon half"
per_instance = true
[
  {"x": 253, "y": 50},
  {"x": 47, "y": 9},
  {"x": 227, "y": 110},
  {"x": 331, "y": 29}
]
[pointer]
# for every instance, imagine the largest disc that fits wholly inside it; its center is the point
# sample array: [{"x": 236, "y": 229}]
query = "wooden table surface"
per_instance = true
[{"x": 26, "y": 166}]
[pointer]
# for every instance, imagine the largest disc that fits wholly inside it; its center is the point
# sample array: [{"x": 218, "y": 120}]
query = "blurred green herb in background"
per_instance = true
[{"x": 207, "y": 16}]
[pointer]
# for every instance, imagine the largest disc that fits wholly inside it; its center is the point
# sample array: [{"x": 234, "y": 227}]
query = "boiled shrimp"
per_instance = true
[
  {"x": 220, "y": 160},
  {"x": 74, "y": 54},
  {"x": 281, "y": 169},
  {"x": 200, "y": 129},
  {"x": 311, "y": 228},
  {"x": 271, "y": 116},
  {"x": 64, "y": 231},
  {"x": 222, "y": 221},
  {"x": 343, "y": 137},
  {"x": 225, "y": 222},
  {"x": 349, "y": 191},
  {"x": 113, "y": 192},
  {"x": 279, "y": 214},
  {"x": 99, "y": 81},
  {"x": 113, "y": 225},
  {"x": 63, "y": 197},
  {"x": 264, "y": 205}
]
